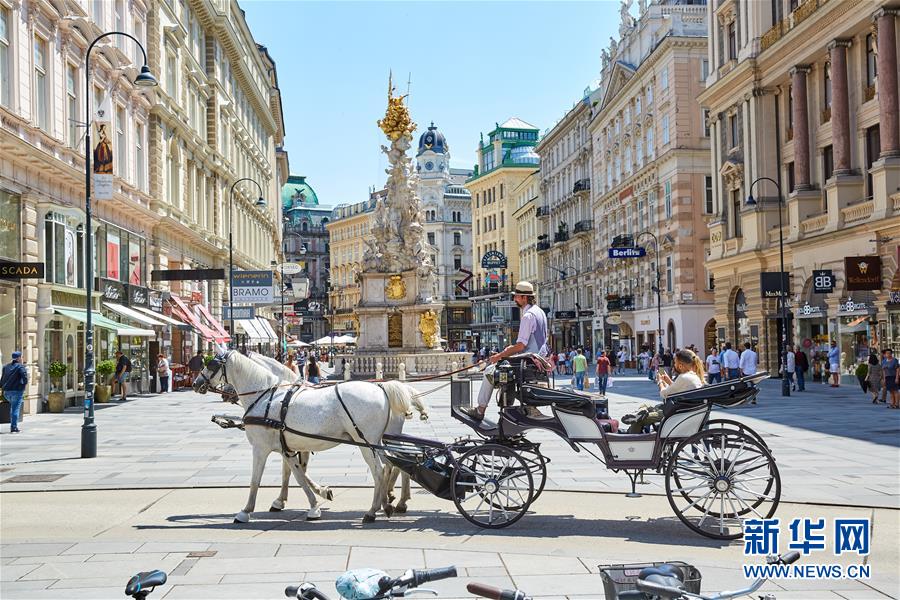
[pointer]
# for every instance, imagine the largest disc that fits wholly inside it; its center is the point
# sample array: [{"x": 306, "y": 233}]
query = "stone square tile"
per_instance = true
[
  {"x": 34, "y": 549},
  {"x": 386, "y": 558},
  {"x": 535, "y": 564},
  {"x": 285, "y": 565},
  {"x": 14, "y": 572},
  {"x": 460, "y": 558},
  {"x": 61, "y": 558},
  {"x": 103, "y": 548}
]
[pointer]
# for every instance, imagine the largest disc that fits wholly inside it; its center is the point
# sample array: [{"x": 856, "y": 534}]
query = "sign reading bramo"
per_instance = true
[{"x": 252, "y": 287}]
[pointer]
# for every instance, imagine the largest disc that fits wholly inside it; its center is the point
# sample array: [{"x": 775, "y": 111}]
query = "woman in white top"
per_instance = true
[{"x": 690, "y": 374}]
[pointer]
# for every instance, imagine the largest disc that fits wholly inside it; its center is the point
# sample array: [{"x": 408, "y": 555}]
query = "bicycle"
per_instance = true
[
  {"x": 495, "y": 593},
  {"x": 371, "y": 584}
]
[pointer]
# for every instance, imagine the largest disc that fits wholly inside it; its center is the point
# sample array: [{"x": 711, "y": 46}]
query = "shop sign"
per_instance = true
[
  {"x": 823, "y": 281},
  {"x": 252, "y": 287},
  {"x": 21, "y": 270},
  {"x": 863, "y": 272},
  {"x": 773, "y": 286},
  {"x": 849, "y": 306},
  {"x": 493, "y": 259},
  {"x": 585, "y": 313},
  {"x": 197, "y": 297},
  {"x": 155, "y": 300},
  {"x": 809, "y": 310},
  {"x": 137, "y": 295},
  {"x": 564, "y": 314},
  {"x": 240, "y": 312},
  {"x": 112, "y": 290},
  {"x": 187, "y": 275},
  {"x": 614, "y": 319},
  {"x": 687, "y": 296},
  {"x": 740, "y": 310},
  {"x": 645, "y": 322},
  {"x": 894, "y": 297},
  {"x": 627, "y": 252}
]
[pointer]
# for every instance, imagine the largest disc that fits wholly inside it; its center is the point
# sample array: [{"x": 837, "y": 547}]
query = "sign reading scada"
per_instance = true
[{"x": 21, "y": 270}]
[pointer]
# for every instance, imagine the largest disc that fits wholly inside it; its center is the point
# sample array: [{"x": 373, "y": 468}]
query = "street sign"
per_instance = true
[
  {"x": 21, "y": 270},
  {"x": 627, "y": 252},
  {"x": 613, "y": 319},
  {"x": 498, "y": 319},
  {"x": 240, "y": 312},
  {"x": 289, "y": 268},
  {"x": 564, "y": 314},
  {"x": 585, "y": 313},
  {"x": 253, "y": 287}
]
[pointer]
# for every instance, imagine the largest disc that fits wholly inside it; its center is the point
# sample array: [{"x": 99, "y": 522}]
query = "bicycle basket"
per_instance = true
[{"x": 618, "y": 579}]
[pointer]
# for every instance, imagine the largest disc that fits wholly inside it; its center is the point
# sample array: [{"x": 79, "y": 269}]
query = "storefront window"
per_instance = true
[
  {"x": 10, "y": 207},
  {"x": 63, "y": 250},
  {"x": 9, "y": 335},
  {"x": 894, "y": 329},
  {"x": 112, "y": 255},
  {"x": 120, "y": 255}
]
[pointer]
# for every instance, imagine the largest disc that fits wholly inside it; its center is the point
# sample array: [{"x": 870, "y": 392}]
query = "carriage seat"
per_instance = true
[
  {"x": 534, "y": 395},
  {"x": 727, "y": 393}
]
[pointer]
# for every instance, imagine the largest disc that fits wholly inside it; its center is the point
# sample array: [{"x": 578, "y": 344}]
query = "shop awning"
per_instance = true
[
  {"x": 161, "y": 317},
  {"x": 264, "y": 325},
  {"x": 133, "y": 314},
  {"x": 98, "y": 320},
  {"x": 215, "y": 325},
  {"x": 183, "y": 312},
  {"x": 251, "y": 328}
]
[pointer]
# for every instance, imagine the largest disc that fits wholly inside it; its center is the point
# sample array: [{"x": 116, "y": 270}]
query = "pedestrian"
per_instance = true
[
  {"x": 312, "y": 371},
  {"x": 13, "y": 383},
  {"x": 790, "y": 367},
  {"x": 732, "y": 362},
  {"x": 891, "y": 376},
  {"x": 613, "y": 361},
  {"x": 290, "y": 364},
  {"x": 164, "y": 372},
  {"x": 802, "y": 367},
  {"x": 654, "y": 366},
  {"x": 713, "y": 367},
  {"x": 749, "y": 361},
  {"x": 667, "y": 360},
  {"x": 883, "y": 388},
  {"x": 123, "y": 368},
  {"x": 561, "y": 362},
  {"x": 603, "y": 367},
  {"x": 570, "y": 370},
  {"x": 301, "y": 364},
  {"x": 196, "y": 364},
  {"x": 579, "y": 363},
  {"x": 620, "y": 361},
  {"x": 834, "y": 363},
  {"x": 875, "y": 377}
]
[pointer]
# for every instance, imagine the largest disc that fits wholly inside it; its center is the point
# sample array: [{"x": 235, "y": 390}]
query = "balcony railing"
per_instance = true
[
  {"x": 486, "y": 290},
  {"x": 582, "y": 185},
  {"x": 542, "y": 211},
  {"x": 310, "y": 231},
  {"x": 622, "y": 303},
  {"x": 561, "y": 236},
  {"x": 585, "y": 226},
  {"x": 541, "y": 246}
]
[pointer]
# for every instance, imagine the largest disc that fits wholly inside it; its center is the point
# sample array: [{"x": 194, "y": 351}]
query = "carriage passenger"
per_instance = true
[{"x": 689, "y": 374}]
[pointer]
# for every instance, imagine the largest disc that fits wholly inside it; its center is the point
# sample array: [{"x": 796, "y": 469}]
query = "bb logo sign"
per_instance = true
[{"x": 823, "y": 281}]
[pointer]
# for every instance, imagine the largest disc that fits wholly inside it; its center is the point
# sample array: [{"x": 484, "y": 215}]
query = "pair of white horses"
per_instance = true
[{"x": 371, "y": 411}]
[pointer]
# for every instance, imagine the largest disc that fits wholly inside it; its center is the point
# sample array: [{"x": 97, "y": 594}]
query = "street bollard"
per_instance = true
[
  {"x": 453, "y": 367},
  {"x": 379, "y": 370},
  {"x": 401, "y": 371},
  {"x": 347, "y": 371}
]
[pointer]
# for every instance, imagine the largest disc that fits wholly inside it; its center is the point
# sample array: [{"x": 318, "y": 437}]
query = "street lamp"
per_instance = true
[
  {"x": 260, "y": 203},
  {"x": 785, "y": 384},
  {"x": 144, "y": 79},
  {"x": 656, "y": 288}
]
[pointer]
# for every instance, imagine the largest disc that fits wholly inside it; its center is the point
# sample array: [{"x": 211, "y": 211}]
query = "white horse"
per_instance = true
[
  {"x": 309, "y": 486},
  {"x": 363, "y": 416}
]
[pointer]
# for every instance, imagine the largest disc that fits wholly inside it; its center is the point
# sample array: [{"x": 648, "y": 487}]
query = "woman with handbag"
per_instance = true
[{"x": 874, "y": 377}]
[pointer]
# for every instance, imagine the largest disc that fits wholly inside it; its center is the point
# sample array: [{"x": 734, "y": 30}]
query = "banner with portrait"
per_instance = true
[{"x": 103, "y": 152}]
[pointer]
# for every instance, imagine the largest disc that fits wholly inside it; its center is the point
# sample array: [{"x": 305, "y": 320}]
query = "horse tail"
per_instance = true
[{"x": 400, "y": 396}]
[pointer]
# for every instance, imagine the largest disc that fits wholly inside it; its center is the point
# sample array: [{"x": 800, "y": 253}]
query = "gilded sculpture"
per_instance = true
[
  {"x": 395, "y": 288},
  {"x": 355, "y": 319},
  {"x": 396, "y": 122},
  {"x": 429, "y": 328}
]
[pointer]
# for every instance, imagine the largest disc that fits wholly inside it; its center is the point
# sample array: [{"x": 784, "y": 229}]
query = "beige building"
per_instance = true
[
  {"x": 348, "y": 231},
  {"x": 504, "y": 161},
  {"x": 566, "y": 239},
  {"x": 214, "y": 118},
  {"x": 651, "y": 174},
  {"x": 526, "y": 197},
  {"x": 805, "y": 93}
]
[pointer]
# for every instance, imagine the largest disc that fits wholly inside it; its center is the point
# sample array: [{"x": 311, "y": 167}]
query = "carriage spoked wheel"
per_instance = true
[
  {"x": 537, "y": 465},
  {"x": 732, "y": 424},
  {"x": 492, "y": 486},
  {"x": 718, "y": 477}
]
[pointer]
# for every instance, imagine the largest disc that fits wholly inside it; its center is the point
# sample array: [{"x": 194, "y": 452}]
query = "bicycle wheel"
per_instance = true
[
  {"x": 716, "y": 478},
  {"x": 492, "y": 486}
]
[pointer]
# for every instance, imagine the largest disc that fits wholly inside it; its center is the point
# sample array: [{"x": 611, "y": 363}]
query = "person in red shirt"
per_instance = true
[{"x": 603, "y": 367}]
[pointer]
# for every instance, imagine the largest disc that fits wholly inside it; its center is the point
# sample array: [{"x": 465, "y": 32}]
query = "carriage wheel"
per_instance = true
[
  {"x": 716, "y": 478},
  {"x": 492, "y": 486},
  {"x": 537, "y": 465},
  {"x": 732, "y": 424}
]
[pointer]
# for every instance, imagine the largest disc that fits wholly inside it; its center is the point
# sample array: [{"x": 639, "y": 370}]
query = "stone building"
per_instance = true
[
  {"x": 504, "y": 161},
  {"x": 215, "y": 117},
  {"x": 565, "y": 243},
  {"x": 305, "y": 241},
  {"x": 805, "y": 94},
  {"x": 526, "y": 199},
  {"x": 651, "y": 174},
  {"x": 348, "y": 230}
]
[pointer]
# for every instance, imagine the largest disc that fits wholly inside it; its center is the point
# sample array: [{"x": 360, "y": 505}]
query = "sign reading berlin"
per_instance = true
[
  {"x": 627, "y": 252},
  {"x": 252, "y": 287},
  {"x": 493, "y": 259},
  {"x": 863, "y": 272}
]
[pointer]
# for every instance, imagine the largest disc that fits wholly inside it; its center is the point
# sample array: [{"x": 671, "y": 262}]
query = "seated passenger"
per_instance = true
[{"x": 689, "y": 375}]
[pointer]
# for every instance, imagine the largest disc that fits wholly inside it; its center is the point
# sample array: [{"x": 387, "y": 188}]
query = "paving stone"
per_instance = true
[
  {"x": 34, "y": 549},
  {"x": 536, "y": 564}
]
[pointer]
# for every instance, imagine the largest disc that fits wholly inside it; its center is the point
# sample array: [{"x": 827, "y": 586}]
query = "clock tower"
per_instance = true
[{"x": 433, "y": 155}]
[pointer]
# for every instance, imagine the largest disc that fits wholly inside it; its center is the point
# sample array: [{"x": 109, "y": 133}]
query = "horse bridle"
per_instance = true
[{"x": 202, "y": 385}]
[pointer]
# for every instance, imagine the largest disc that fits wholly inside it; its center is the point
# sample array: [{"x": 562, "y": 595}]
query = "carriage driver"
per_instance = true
[{"x": 532, "y": 339}]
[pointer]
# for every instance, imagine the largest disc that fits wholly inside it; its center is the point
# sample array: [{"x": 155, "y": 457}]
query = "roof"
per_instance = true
[
  {"x": 296, "y": 193},
  {"x": 516, "y": 123}
]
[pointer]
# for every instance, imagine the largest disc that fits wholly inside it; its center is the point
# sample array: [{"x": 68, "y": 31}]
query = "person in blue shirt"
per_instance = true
[
  {"x": 891, "y": 369},
  {"x": 834, "y": 363},
  {"x": 13, "y": 383}
]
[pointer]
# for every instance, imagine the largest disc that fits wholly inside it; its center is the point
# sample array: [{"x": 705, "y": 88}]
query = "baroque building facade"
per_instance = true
[
  {"x": 504, "y": 161},
  {"x": 214, "y": 117},
  {"x": 805, "y": 94},
  {"x": 348, "y": 230},
  {"x": 651, "y": 181}
]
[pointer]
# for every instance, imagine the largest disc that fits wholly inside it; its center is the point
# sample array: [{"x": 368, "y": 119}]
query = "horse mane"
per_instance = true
[
  {"x": 247, "y": 373},
  {"x": 278, "y": 369}
]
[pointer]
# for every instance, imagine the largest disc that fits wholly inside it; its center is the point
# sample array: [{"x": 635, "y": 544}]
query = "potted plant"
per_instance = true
[
  {"x": 102, "y": 391},
  {"x": 862, "y": 369},
  {"x": 57, "y": 396}
]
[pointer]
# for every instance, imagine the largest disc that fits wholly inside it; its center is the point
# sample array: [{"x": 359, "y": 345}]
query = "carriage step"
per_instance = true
[{"x": 228, "y": 421}]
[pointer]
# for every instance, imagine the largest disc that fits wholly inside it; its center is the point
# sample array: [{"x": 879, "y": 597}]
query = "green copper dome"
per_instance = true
[{"x": 296, "y": 193}]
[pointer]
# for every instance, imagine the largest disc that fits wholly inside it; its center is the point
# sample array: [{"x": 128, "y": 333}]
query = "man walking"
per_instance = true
[
  {"x": 713, "y": 367},
  {"x": 731, "y": 362},
  {"x": 579, "y": 363},
  {"x": 602, "y": 372},
  {"x": 802, "y": 367},
  {"x": 791, "y": 367},
  {"x": 748, "y": 362},
  {"x": 13, "y": 383},
  {"x": 123, "y": 368}
]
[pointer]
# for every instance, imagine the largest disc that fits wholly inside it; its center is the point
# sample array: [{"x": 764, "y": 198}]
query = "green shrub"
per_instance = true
[
  {"x": 206, "y": 359},
  {"x": 105, "y": 368},
  {"x": 57, "y": 369},
  {"x": 862, "y": 370}
]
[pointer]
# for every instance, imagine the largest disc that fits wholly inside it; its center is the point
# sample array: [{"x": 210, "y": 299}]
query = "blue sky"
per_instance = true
[{"x": 472, "y": 64}]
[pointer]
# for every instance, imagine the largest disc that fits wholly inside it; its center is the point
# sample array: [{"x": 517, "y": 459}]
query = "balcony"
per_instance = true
[
  {"x": 542, "y": 246},
  {"x": 620, "y": 303},
  {"x": 560, "y": 236},
  {"x": 542, "y": 211},
  {"x": 585, "y": 226},
  {"x": 310, "y": 231},
  {"x": 487, "y": 290},
  {"x": 582, "y": 185}
]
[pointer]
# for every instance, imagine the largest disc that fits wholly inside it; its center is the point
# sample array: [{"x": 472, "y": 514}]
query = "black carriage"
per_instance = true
[{"x": 717, "y": 471}]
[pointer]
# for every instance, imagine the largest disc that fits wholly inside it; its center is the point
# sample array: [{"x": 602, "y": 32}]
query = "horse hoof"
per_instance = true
[
  {"x": 388, "y": 510},
  {"x": 400, "y": 509},
  {"x": 368, "y": 518},
  {"x": 329, "y": 495},
  {"x": 274, "y": 509},
  {"x": 391, "y": 498},
  {"x": 242, "y": 517}
]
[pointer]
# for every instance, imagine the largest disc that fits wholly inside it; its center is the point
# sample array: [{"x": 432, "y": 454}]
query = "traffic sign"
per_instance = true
[{"x": 627, "y": 252}]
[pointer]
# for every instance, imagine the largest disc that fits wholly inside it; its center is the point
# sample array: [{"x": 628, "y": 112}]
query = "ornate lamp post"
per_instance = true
[
  {"x": 260, "y": 202},
  {"x": 144, "y": 79},
  {"x": 785, "y": 314}
]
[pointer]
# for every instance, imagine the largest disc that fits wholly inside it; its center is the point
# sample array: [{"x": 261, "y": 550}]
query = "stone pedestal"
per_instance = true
[
  {"x": 885, "y": 184},
  {"x": 802, "y": 204},
  {"x": 840, "y": 192}
]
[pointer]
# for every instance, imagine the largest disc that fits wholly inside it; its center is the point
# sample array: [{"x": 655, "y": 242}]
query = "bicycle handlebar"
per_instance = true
[
  {"x": 304, "y": 591},
  {"x": 657, "y": 589},
  {"x": 494, "y": 593},
  {"x": 420, "y": 576}
]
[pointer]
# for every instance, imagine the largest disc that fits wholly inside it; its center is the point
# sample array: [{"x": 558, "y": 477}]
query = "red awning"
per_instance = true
[
  {"x": 183, "y": 312},
  {"x": 222, "y": 335}
]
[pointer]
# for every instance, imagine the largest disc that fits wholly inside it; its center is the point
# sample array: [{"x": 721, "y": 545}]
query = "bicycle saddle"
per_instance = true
[
  {"x": 146, "y": 579},
  {"x": 668, "y": 575}
]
